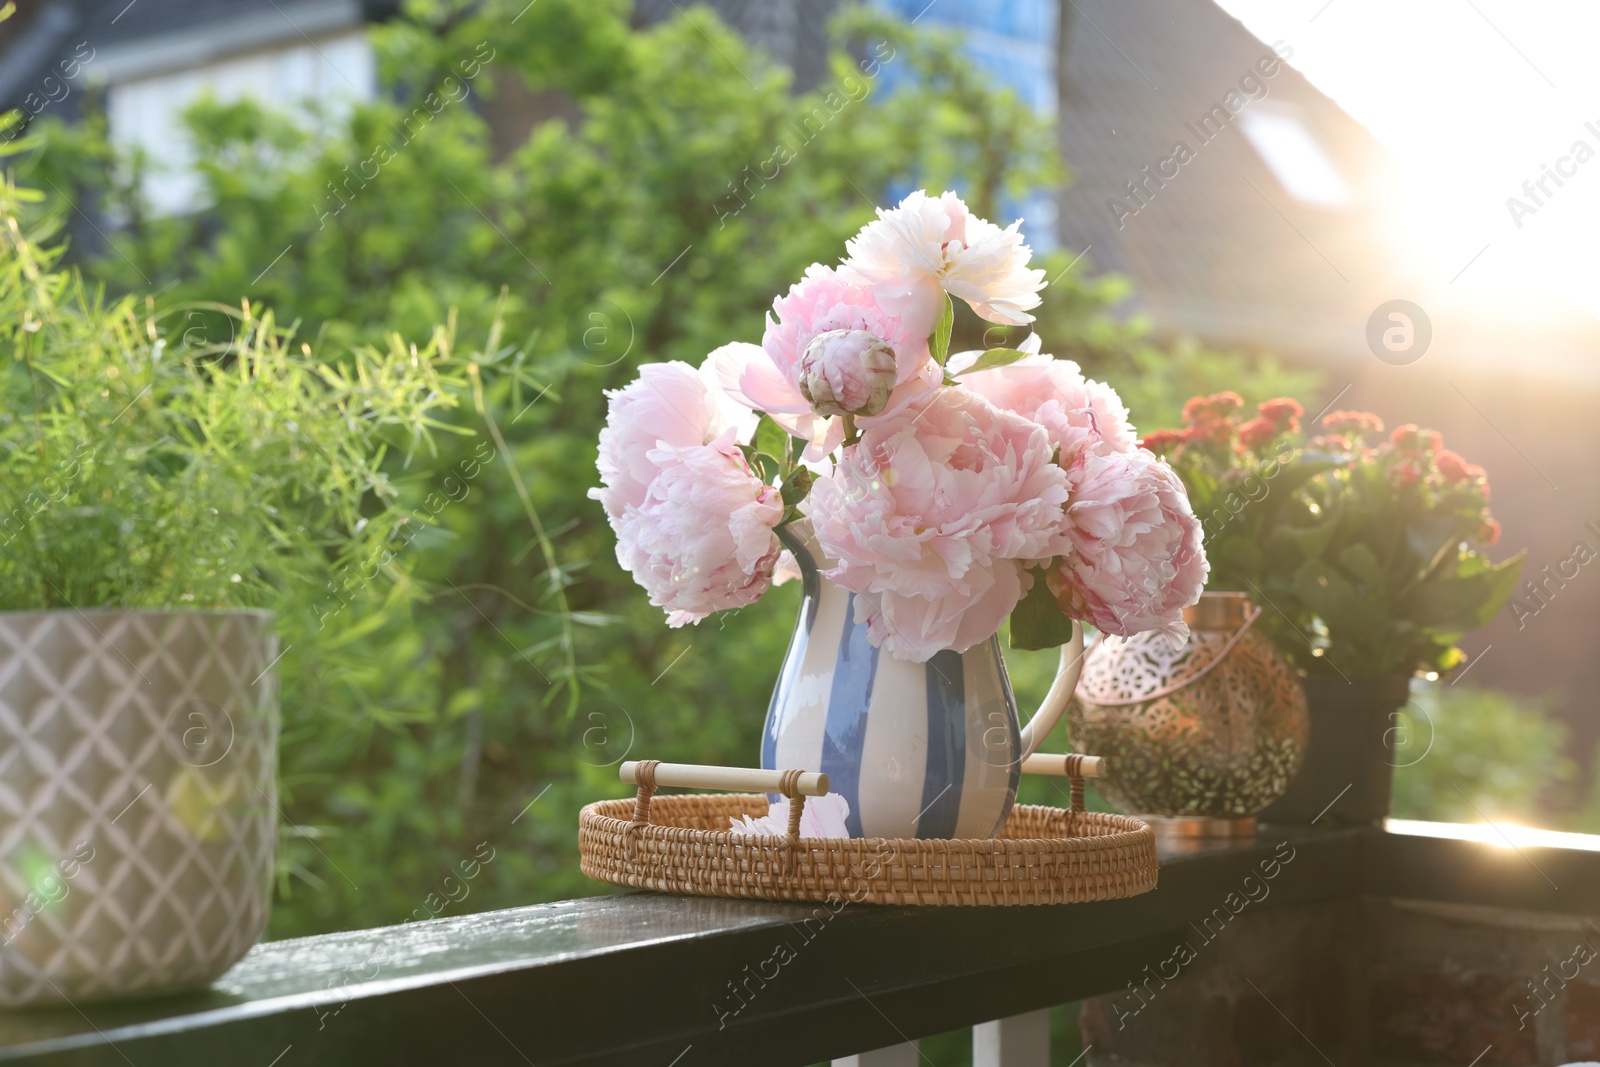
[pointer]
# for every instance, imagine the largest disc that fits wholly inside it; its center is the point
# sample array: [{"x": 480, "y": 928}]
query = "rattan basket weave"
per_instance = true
[{"x": 681, "y": 844}]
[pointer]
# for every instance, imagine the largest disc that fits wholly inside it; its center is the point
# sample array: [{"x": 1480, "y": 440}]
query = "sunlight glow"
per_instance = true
[
  {"x": 1499, "y": 834},
  {"x": 1487, "y": 105}
]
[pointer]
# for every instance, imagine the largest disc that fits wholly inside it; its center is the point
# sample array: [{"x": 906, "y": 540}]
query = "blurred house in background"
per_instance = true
[
  {"x": 148, "y": 60},
  {"x": 1248, "y": 208},
  {"x": 1280, "y": 225},
  {"x": 1282, "y": 229}
]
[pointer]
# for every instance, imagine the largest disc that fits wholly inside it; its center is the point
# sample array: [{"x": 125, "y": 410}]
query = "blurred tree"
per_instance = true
[{"x": 496, "y": 697}]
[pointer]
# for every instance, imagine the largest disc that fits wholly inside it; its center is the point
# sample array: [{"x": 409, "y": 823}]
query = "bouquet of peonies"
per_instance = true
[{"x": 946, "y": 491}]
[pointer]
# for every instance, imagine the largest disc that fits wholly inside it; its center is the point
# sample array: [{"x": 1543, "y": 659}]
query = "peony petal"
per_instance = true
[{"x": 921, "y": 513}]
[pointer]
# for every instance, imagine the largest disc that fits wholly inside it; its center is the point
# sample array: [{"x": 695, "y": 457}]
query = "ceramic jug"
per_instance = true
[{"x": 918, "y": 750}]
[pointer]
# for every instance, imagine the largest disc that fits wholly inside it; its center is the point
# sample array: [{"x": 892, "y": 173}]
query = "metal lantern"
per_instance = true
[{"x": 1202, "y": 736}]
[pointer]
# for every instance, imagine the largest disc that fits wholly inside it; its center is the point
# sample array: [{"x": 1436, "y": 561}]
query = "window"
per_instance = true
[
  {"x": 1295, "y": 158},
  {"x": 147, "y": 112}
]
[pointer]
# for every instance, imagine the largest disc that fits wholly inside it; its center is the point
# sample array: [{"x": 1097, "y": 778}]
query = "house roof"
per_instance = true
[
  {"x": 133, "y": 40},
  {"x": 152, "y": 36},
  {"x": 36, "y": 35},
  {"x": 120, "y": 21}
]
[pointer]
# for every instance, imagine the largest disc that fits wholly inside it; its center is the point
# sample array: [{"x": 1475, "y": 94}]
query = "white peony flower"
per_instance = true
[
  {"x": 916, "y": 252},
  {"x": 822, "y": 816}
]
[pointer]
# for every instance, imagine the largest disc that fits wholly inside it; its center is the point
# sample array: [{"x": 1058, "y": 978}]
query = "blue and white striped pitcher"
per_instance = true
[{"x": 918, "y": 749}]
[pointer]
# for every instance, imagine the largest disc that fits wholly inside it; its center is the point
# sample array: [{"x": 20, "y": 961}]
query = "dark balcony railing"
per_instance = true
[{"x": 643, "y": 979}]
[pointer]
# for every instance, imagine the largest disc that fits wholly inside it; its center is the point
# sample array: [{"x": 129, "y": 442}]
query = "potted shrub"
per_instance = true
[
  {"x": 1366, "y": 555},
  {"x": 165, "y": 483}
]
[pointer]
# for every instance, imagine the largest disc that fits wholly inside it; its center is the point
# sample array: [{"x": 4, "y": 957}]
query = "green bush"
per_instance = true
[
  {"x": 143, "y": 472},
  {"x": 1464, "y": 754},
  {"x": 495, "y": 697}
]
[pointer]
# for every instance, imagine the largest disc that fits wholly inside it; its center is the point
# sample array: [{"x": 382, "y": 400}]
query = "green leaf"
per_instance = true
[
  {"x": 1327, "y": 593},
  {"x": 1300, "y": 470},
  {"x": 765, "y": 466},
  {"x": 1360, "y": 561},
  {"x": 940, "y": 344},
  {"x": 1430, "y": 539},
  {"x": 995, "y": 357},
  {"x": 595, "y": 618},
  {"x": 1448, "y": 603},
  {"x": 1502, "y": 578},
  {"x": 796, "y": 486},
  {"x": 1466, "y": 599},
  {"x": 772, "y": 440},
  {"x": 1037, "y": 621}
]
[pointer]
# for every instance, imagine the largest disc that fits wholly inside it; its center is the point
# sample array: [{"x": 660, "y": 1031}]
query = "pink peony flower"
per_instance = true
[
  {"x": 701, "y": 540},
  {"x": 822, "y": 816},
  {"x": 1077, "y": 412},
  {"x": 787, "y": 569},
  {"x": 669, "y": 404},
  {"x": 847, "y": 372},
  {"x": 768, "y": 378},
  {"x": 931, "y": 516},
  {"x": 1136, "y": 559},
  {"x": 916, "y": 252}
]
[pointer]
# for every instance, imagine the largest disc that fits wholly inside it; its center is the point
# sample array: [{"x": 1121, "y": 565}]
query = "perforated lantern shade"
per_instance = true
[{"x": 1217, "y": 727}]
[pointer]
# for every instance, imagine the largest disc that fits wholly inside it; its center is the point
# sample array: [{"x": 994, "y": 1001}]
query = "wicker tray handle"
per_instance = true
[
  {"x": 648, "y": 774},
  {"x": 1074, "y": 765},
  {"x": 797, "y": 785}
]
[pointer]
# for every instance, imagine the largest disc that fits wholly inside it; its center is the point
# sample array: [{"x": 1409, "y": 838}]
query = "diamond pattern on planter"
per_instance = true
[{"x": 138, "y": 753}]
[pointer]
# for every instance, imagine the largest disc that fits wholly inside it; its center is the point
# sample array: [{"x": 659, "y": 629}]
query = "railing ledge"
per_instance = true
[{"x": 643, "y": 978}]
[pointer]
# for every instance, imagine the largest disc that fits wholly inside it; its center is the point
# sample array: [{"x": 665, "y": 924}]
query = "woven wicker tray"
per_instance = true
[{"x": 681, "y": 844}]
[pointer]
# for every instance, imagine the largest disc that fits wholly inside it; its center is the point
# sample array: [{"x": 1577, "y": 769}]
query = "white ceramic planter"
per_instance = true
[{"x": 138, "y": 808}]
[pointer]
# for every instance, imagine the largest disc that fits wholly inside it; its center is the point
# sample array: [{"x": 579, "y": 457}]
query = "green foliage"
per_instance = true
[
  {"x": 1365, "y": 559},
  {"x": 953, "y": 126},
  {"x": 1588, "y": 820},
  {"x": 145, "y": 468},
  {"x": 486, "y": 686},
  {"x": 939, "y": 344},
  {"x": 1037, "y": 622},
  {"x": 1465, "y": 755}
]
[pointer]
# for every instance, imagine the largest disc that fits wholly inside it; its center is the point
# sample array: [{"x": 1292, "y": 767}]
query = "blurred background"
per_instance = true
[{"x": 585, "y": 185}]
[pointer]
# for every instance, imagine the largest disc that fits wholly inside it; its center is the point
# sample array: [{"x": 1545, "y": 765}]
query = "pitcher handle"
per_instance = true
[{"x": 1055, "y": 702}]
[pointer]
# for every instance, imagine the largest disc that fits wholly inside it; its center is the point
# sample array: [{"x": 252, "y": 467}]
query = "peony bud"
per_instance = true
[{"x": 847, "y": 372}]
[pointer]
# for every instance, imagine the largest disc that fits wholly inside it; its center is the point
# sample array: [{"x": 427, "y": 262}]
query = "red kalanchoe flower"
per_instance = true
[
  {"x": 1283, "y": 412},
  {"x": 1207, "y": 408},
  {"x": 1212, "y": 432},
  {"x": 1278, "y": 407},
  {"x": 1489, "y": 532},
  {"x": 1455, "y": 469},
  {"x": 1258, "y": 431},
  {"x": 1452, "y": 466},
  {"x": 1161, "y": 441},
  {"x": 1410, "y": 438},
  {"x": 1352, "y": 422},
  {"x": 1405, "y": 475}
]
